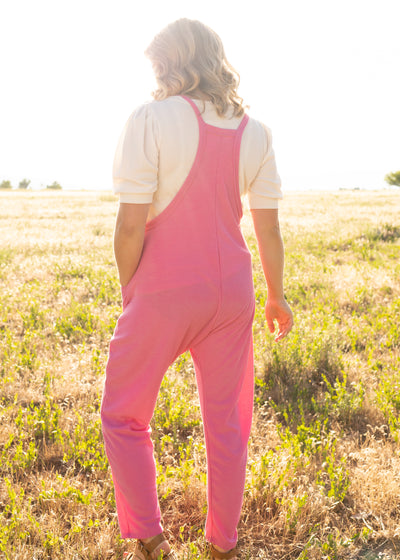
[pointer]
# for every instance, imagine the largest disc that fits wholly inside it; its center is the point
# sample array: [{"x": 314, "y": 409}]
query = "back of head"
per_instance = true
[{"x": 189, "y": 58}]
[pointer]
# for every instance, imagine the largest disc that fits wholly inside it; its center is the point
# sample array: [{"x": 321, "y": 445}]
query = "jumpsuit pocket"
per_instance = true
[{"x": 126, "y": 291}]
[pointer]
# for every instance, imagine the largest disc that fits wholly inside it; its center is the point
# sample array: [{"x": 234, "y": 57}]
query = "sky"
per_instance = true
[{"x": 323, "y": 75}]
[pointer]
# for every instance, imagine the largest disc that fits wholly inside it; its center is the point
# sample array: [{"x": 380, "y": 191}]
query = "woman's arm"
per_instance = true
[
  {"x": 129, "y": 238},
  {"x": 270, "y": 246}
]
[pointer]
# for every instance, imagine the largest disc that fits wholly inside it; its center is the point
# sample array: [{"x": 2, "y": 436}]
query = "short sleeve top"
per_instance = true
[{"x": 158, "y": 146}]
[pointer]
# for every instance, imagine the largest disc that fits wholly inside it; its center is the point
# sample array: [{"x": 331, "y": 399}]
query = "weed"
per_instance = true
[
  {"x": 12, "y": 516},
  {"x": 84, "y": 448},
  {"x": 388, "y": 401},
  {"x": 294, "y": 375},
  {"x": 40, "y": 421},
  {"x": 343, "y": 400},
  {"x": 388, "y": 233},
  {"x": 175, "y": 416},
  {"x": 68, "y": 492}
]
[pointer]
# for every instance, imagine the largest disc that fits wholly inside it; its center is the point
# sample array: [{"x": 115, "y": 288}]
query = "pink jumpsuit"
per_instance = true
[{"x": 193, "y": 290}]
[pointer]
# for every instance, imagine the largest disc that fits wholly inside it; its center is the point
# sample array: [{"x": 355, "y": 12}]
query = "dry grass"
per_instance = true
[{"x": 324, "y": 461}]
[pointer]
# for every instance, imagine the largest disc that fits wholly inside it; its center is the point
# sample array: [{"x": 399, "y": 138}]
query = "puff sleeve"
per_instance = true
[
  {"x": 265, "y": 190},
  {"x": 135, "y": 167}
]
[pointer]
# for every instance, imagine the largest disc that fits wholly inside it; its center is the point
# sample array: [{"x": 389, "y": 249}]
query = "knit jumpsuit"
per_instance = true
[{"x": 192, "y": 290}]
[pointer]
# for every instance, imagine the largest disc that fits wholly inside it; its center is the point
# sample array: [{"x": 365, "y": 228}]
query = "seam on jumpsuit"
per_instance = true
[
  {"x": 208, "y": 450},
  {"x": 217, "y": 173},
  {"x": 217, "y": 177}
]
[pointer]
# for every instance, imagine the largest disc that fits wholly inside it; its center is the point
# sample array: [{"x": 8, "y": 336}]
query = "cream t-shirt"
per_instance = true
[{"x": 158, "y": 145}]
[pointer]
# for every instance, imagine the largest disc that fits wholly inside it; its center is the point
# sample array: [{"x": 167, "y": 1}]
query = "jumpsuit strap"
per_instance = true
[
  {"x": 238, "y": 130},
  {"x": 243, "y": 123},
  {"x": 195, "y": 108}
]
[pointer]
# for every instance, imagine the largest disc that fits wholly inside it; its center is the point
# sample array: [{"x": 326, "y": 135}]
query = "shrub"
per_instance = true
[
  {"x": 24, "y": 184},
  {"x": 54, "y": 186},
  {"x": 393, "y": 178}
]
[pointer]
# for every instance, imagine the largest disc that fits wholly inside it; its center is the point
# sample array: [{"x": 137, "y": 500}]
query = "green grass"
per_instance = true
[{"x": 324, "y": 456}]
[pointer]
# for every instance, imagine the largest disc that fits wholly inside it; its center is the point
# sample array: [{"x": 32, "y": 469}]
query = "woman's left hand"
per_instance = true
[{"x": 279, "y": 310}]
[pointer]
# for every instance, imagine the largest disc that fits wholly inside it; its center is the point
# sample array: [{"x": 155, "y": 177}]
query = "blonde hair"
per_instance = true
[{"x": 189, "y": 58}]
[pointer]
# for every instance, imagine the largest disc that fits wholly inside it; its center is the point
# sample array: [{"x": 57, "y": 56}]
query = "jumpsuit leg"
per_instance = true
[
  {"x": 225, "y": 376},
  {"x": 141, "y": 351},
  {"x": 150, "y": 334}
]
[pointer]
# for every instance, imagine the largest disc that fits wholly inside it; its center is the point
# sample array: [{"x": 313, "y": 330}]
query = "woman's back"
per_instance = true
[{"x": 158, "y": 146}]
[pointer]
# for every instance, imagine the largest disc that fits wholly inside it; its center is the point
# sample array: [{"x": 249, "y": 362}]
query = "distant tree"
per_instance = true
[
  {"x": 24, "y": 184},
  {"x": 393, "y": 178},
  {"x": 54, "y": 186},
  {"x": 5, "y": 185}
]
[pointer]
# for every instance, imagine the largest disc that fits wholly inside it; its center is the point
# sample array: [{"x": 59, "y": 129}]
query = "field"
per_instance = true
[{"x": 323, "y": 477}]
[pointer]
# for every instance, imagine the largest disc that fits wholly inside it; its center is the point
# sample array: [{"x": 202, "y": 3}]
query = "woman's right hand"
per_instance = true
[
  {"x": 278, "y": 310},
  {"x": 129, "y": 239}
]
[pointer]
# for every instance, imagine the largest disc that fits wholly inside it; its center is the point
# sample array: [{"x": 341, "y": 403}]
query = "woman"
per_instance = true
[{"x": 181, "y": 165}]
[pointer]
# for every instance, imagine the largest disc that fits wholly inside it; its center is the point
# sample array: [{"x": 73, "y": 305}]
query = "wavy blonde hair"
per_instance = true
[{"x": 189, "y": 58}]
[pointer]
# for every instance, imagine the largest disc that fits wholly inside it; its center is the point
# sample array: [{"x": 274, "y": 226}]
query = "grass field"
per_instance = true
[{"x": 323, "y": 477}]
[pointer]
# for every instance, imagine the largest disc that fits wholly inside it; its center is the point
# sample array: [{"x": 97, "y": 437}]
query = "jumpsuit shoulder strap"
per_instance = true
[
  {"x": 242, "y": 125},
  {"x": 238, "y": 130},
  {"x": 195, "y": 108}
]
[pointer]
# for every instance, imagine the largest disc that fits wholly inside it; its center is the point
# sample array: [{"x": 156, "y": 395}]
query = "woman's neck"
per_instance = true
[{"x": 198, "y": 94}]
